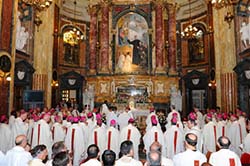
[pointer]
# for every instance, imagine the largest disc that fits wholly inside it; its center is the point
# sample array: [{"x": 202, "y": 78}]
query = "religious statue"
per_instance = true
[
  {"x": 21, "y": 35},
  {"x": 89, "y": 97},
  {"x": 175, "y": 98}
]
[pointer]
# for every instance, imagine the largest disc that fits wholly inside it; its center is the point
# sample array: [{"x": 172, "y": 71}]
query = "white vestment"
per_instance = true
[
  {"x": 74, "y": 142},
  {"x": 2, "y": 158},
  {"x": 85, "y": 131},
  {"x": 17, "y": 156},
  {"x": 127, "y": 161},
  {"x": 246, "y": 144},
  {"x": 105, "y": 109},
  {"x": 166, "y": 162},
  {"x": 112, "y": 137},
  {"x": 111, "y": 115},
  {"x": 222, "y": 129},
  {"x": 170, "y": 115},
  {"x": 5, "y": 135},
  {"x": 189, "y": 158},
  {"x": 97, "y": 137},
  {"x": 153, "y": 135},
  {"x": 200, "y": 119},
  {"x": 209, "y": 137},
  {"x": 222, "y": 158},
  {"x": 42, "y": 135},
  {"x": 173, "y": 141},
  {"x": 19, "y": 128},
  {"x": 11, "y": 121},
  {"x": 30, "y": 130},
  {"x": 148, "y": 120},
  {"x": 131, "y": 133},
  {"x": 36, "y": 162},
  {"x": 91, "y": 125},
  {"x": 234, "y": 134},
  {"x": 123, "y": 119},
  {"x": 58, "y": 133},
  {"x": 196, "y": 130},
  {"x": 242, "y": 122},
  {"x": 92, "y": 162}
]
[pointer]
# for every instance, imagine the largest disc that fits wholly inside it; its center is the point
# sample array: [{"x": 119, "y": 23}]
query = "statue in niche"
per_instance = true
[
  {"x": 21, "y": 34},
  {"x": 175, "y": 98}
]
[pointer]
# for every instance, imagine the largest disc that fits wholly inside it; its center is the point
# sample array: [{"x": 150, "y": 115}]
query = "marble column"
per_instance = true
[
  {"x": 8, "y": 18},
  {"x": 92, "y": 10},
  {"x": 228, "y": 92},
  {"x": 171, "y": 9},
  {"x": 159, "y": 44},
  {"x": 104, "y": 52},
  {"x": 43, "y": 54},
  {"x": 225, "y": 59}
]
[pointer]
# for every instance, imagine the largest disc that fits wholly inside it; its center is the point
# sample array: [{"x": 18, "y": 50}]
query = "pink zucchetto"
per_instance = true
[
  {"x": 99, "y": 122},
  {"x": 174, "y": 114},
  {"x": 90, "y": 115},
  {"x": 224, "y": 116},
  {"x": 192, "y": 116},
  {"x": 75, "y": 119},
  {"x": 35, "y": 117},
  {"x": 23, "y": 112},
  {"x": 70, "y": 118},
  {"x": 3, "y": 118},
  {"x": 83, "y": 118},
  {"x": 209, "y": 115},
  {"x": 154, "y": 121},
  {"x": 113, "y": 122},
  {"x": 57, "y": 118},
  {"x": 174, "y": 119},
  {"x": 234, "y": 116},
  {"x": 131, "y": 120},
  {"x": 98, "y": 116},
  {"x": 219, "y": 116}
]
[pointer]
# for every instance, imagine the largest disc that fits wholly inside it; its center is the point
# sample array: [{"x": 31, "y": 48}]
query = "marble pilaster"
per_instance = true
[
  {"x": 104, "y": 51},
  {"x": 171, "y": 9},
  {"x": 92, "y": 10}
]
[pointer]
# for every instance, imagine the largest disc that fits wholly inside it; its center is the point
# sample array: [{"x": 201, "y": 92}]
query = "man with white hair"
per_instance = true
[
  {"x": 112, "y": 136},
  {"x": 17, "y": 156}
]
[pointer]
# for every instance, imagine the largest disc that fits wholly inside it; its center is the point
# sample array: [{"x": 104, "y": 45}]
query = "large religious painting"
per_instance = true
[{"x": 132, "y": 44}]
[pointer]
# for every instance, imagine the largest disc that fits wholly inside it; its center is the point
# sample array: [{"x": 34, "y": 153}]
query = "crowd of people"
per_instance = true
[{"x": 64, "y": 136}]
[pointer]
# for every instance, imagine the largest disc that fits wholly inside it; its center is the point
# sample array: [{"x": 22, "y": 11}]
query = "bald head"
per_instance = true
[
  {"x": 191, "y": 139},
  {"x": 21, "y": 140},
  {"x": 224, "y": 142},
  {"x": 155, "y": 146}
]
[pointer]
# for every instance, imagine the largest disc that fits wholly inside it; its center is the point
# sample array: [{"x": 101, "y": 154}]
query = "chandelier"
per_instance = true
[
  {"x": 38, "y": 6},
  {"x": 73, "y": 35},
  {"x": 190, "y": 31},
  {"x": 218, "y": 4}
]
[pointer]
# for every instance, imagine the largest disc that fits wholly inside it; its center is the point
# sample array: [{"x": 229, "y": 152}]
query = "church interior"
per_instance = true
[{"x": 141, "y": 53}]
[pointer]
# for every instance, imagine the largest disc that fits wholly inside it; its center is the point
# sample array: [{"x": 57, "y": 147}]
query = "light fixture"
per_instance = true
[
  {"x": 218, "y": 4},
  {"x": 73, "y": 35},
  {"x": 190, "y": 31},
  {"x": 38, "y": 6}
]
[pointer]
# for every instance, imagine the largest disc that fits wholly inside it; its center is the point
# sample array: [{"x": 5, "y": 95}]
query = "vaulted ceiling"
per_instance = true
[{"x": 79, "y": 11}]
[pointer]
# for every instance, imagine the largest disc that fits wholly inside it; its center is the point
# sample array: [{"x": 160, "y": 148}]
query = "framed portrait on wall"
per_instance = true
[{"x": 131, "y": 50}]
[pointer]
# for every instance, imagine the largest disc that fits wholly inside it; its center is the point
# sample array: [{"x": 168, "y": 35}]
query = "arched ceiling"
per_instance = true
[{"x": 79, "y": 11}]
